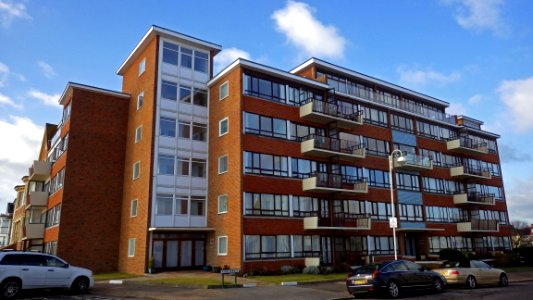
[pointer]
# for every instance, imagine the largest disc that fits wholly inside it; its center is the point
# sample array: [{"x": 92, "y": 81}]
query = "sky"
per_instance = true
[{"x": 475, "y": 54}]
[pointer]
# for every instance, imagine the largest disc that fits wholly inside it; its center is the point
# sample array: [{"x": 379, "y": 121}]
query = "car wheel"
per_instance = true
[
  {"x": 471, "y": 282},
  {"x": 80, "y": 285},
  {"x": 393, "y": 289},
  {"x": 437, "y": 285},
  {"x": 504, "y": 281},
  {"x": 10, "y": 288}
]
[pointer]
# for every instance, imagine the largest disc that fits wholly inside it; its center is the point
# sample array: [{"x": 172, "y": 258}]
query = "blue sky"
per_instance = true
[{"x": 475, "y": 54}]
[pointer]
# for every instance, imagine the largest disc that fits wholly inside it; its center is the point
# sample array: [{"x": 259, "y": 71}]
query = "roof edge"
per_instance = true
[{"x": 72, "y": 85}]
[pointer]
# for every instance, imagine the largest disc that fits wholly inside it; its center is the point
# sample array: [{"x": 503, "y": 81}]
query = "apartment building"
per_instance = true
[
  {"x": 299, "y": 170},
  {"x": 164, "y": 207}
]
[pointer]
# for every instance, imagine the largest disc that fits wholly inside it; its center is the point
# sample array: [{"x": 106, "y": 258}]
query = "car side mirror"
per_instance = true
[{"x": 66, "y": 266}]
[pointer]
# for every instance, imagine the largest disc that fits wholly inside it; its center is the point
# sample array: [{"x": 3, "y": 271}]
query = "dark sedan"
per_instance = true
[{"x": 393, "y": 277}]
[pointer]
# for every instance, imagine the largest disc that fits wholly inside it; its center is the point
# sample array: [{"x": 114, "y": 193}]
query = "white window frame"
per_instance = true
[
  {"x": 220, "y": 158},
  {"x": 142, "y": 66},
  {"x": 134, "y": 203},
  {"x": 220, "y": 133},
  {"x": 138, "y": 134},
  {"x": 140, "y": 103},
  {"x": 131, "y": 247},
  {"x": 225, "y": 84},
  {"x": 225, "y": 196},
  {"x": 137, "y": 163},
  {"x": 225, "y": 237}
]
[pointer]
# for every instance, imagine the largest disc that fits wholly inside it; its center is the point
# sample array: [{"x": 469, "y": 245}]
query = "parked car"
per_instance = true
[
  {"x": 393, "y": 277},
  {"x": 21, "y": 270},
  {"x": 471, "y": 273}
]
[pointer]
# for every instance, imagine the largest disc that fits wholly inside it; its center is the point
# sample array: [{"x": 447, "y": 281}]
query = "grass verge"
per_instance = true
[
  {"x": 116, "y": 275},
  {"x": 300, "y": 278},
  {"x": 189, "y": 281}
]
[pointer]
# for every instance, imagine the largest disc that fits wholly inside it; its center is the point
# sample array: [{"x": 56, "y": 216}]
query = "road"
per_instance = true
[{"x": 321, "y": 291}]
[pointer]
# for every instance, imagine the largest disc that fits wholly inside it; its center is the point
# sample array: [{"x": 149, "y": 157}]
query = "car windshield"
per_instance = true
[{"x": 368, "y": 269}]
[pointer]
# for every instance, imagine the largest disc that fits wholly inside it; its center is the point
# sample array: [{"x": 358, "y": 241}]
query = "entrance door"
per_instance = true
[
  {"x": 325, "y": 254},
  {"x": 199, "y": 253},
  {"x": 186, "y": 254},
  {"x": 158, "y": 254},
  {"x": 410, "y": 246},
  {"x": 172, "y": 254}
]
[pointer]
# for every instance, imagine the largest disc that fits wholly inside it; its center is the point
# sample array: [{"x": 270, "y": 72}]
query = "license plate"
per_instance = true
[{"x": 361, "y": 281}]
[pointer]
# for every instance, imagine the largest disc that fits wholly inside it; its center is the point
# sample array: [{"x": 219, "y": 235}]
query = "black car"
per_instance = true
[{"x": 393, "y": 277}]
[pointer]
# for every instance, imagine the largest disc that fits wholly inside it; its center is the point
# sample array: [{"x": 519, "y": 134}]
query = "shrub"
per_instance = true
[
  {"x": 311, "y": 270},
  {"x": 452, "y": 254},
  {"x": 288, "y": 269},
  {"x": 342, "y": 268},
  {"x": 326, "y": 270}
]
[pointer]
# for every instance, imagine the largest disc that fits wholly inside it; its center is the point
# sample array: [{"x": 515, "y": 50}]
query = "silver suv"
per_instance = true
[{"x": 21, "y": 270}]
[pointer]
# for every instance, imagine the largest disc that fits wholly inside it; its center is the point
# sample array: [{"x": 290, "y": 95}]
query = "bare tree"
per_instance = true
[{"x": 521, "y": 234}]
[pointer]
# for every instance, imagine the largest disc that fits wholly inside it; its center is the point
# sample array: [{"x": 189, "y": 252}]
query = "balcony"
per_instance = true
[
  {"x": 40, "y": 170},
  {"x": 326, "y": 112},
  {"x": 334, "y": 183},
  {"x": 413, "y": 162},
  {"x": 467, "y": 146},
  {"x": 339, "y": 221},
  {"x": 469, "y": 172},
  {"x": 476, "y": 225},
  {"x": 322, "y": 146},
  {"x": 475, "y": 198},
  {"x": 33, "y": 231},
  {"x": 37, "y": 199}
]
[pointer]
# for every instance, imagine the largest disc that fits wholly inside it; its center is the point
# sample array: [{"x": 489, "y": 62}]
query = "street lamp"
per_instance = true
[{"x": 393, "y": 221}]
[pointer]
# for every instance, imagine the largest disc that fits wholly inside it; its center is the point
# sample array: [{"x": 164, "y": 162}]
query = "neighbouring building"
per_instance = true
[{"x": 255, "y": 168}]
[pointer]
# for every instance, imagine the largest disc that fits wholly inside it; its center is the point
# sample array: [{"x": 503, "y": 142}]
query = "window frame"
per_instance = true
[
  {"x": 140, "y": 100},
  {"x": 225, "y": 197},
  {"x": 220, "y": 160},
  {"x": 226, "y": 120},
  {"x": 133, "y": 212},
  {"x": 142, "y": 66},
  {"x": 225, "y": 238},
  {"x": 136, "y": 166},
  {"x": 223, "y": 86},
  {"x": 138, "y": 134},
  {"x": 131, "y": 247}
]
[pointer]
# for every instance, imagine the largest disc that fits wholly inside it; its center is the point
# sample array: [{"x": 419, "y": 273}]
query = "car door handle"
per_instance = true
[
  {"x": 25, "y": 269},
  {"x": 51, "y": 270}
]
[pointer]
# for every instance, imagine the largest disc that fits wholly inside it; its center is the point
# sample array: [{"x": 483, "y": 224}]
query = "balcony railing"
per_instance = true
[
  {"x": 37, "y": 199},
  {"x": 339, "y": 221},
  {"x": 39, "y": 171},
  {"x": 477, "y": 225},
  {"x": 470, "y": 172},
  {"x": 467, "y": 145},
  {"x": 327, "y": 147},
  {"x": 334, "y": 183},
  {"x": 413, "y": 162},
  {"x": 474, "y": 198},
  {"x": 33, "y": 231},
  {"x": 326, "y": 112}
]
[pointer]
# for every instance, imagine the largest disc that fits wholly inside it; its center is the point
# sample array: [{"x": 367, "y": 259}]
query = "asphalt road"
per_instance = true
[{"x": 321, "y": 291}]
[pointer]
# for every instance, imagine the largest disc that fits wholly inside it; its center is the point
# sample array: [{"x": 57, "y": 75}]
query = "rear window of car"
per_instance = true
[
  {"x": 368, "y": 269},
  {"x": 12, "y": 259}
]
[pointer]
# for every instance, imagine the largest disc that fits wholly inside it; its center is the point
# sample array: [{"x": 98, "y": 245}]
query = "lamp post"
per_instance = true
[{"x": 393, "y": 221}]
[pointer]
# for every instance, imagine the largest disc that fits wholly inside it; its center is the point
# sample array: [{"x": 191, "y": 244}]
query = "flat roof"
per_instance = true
[
  {"x": 267, "y": 70},
  {"x": 167, "y": 33},
  {"x": 374, "y": 80},
  {"x": 73, "y": 85}
]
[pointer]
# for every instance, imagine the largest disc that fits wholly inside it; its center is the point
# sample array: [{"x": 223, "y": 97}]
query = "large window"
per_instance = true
[
  {"x": 274, "y": 91},
  {"x": 410, "y": 212},
  {"x": 184, "y": 129},
  {"x": 433, "y": 155},
  {"x": 267, "y": 246},
  {"x": 53, "y": 215},
  {"x": 167, "y": 127},
  {"x": 306, "y": 245},
  {"x": 433, "y": 185},
  {"x": 298, "y": 131},
  {"x": 185, "y": 94},
  {"x": 265, "y": 164},
  {"x": 200, "y": 61},
  {"x": 377, "y": 178},
  {"x": 170, "y": 53},
  {"x": 164, "y": 204},
  {"x": 380, "y": 245},
  {"x": 266, "y": 126},
  {"x": 198, "y": 206},
  {"x": 198, "y": 168},
  {"x": 441, "y": 214},
  {"x": 166, "y": 165},
  {"x": 376, "y": 147},
  {"x": 380, "y": 211},
  {"x": 266, "y": 204},
  {"x": 186, "y": 58},
  {"x": 305, "y": 206},
  {"x": 401, "y": 123},
  {"x": 407, "y": 182},
  {"x": 169, "y": 90},
  {"x": 182, "y": 166},
  {"x": 303, "y": 168},
  {"x": 375, "y": 117},
  {"x": 437, "y": 243},
  {"x": 199, "y": 132},
  {"x": 200, "y": 97}
]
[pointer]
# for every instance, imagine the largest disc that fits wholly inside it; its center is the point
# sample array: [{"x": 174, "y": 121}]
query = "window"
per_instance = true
[
  {"x": 377, "y": 178},
  {"x": 166, "y": 165},
  {"x": 182, "y": 166},
  {"x": 298, "y": 131},
  {"x": 266, "y": 126},
  {"x": 169, "y": 90},
  {"x": 222, "y": 164},
  {"x": 375, "y": 116},
  {"x": 433, "y": 185},
  {"x": 401, "y": 123},
  {"x": 182, "y": 205},
  {"x": 222, "y": 204},
  {"x": 198, "y": 168},
  {"x": 222, "y": 245},
  {"x": 163, "y": 205},
  {"x": 136, "y": 170},
  {"x": 170, "y": 53},
  {"x": 412, "y": 213},
  {"x": 442, "y": 214},
  {"x": 199, "y": 132},
  {"x": 131, "y": 247},
  {"x": 380, "y": 245},
  {"x": 303, "y": 168},
  {"x": 184, "y": 130},
  {"x": 376, "y": 147},
  {"x": 200, "y": 61},
  {"x": 57, "y": 182},
  {"x": 306, "y": 245},
  {"x": 186, "y": 58},
  {"x": 140, "y": 100},
  {"x": 407, "y": 182},
  {"x": 307, "y": 206},
  {"x": 265, "y": 164},
  {"x": 197, "y": 205},
  {"x": 167, "y": 127},
  {"x": 435, "y": 156},
  {"x": 200, "y": 97},
  {"x": 133, "y": 208},
  {"x": 66, "y": 112},
  {"x": 223, "y": 126},
  {"x": 223, "y": 90},
  {"x": 185, "y": 94},
  {"x": 266, "y": 204},
  {"x": 142, "y": 66},
  {"x": 267, "y": 246},
  {"x": 53, "y": 215},
  {"x": 380, "y": 211},
  {"x": 138, "y": 134}
]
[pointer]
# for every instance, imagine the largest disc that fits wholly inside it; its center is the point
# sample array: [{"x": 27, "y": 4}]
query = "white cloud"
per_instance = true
[
  {"x": 52, "y": 100},
  {"x": 21, "y": 139},
  {"x": 456, "y": 109},
  {"x": 420, "y": 78},
  {"x": 517, "y": 95},
  {"x": 4, "y": 72},
  {"x": 306, "y": 33},
  {"x": 6, "y": 100},
  {"x": 10, "y": 11},
  {"x": 480, "y": 15},
  {"x": 227, "y": 56},
  {"x": 47, "y": 69},
  {"x": 476, "y": 99},
  {"x": 519, "y": 200}
]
